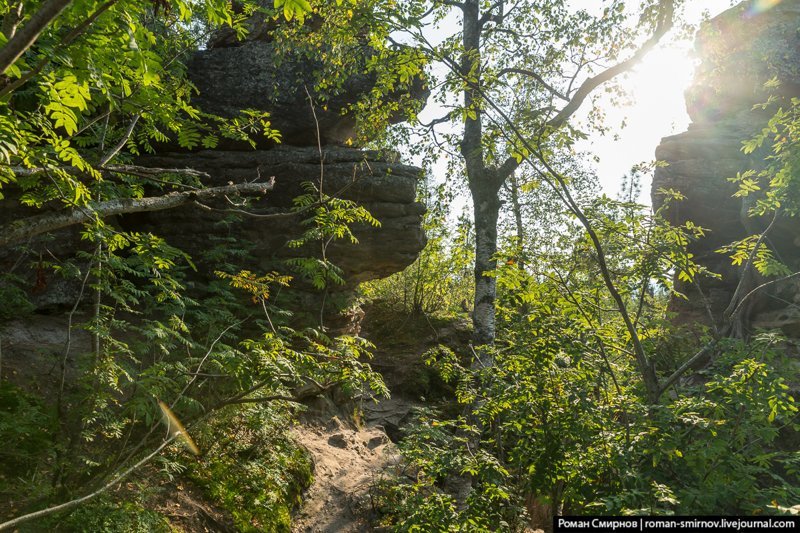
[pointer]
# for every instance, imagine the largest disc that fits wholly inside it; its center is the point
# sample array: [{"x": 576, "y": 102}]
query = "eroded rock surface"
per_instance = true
[
  {"x": 386, "y": 188},
  {"x": 741, "y": 49}
]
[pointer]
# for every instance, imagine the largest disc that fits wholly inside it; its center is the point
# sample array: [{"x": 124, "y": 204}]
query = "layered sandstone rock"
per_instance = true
[
  {"x": 232, "y": 76},
  {"x": 385, "y": 187},
  {"x": 741, "y": 49}
]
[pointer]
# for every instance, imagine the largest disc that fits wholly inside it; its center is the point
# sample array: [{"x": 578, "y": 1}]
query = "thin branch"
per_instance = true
[
  {"x": 286, "y": 214},
  {"x": 122, "y": 142},
  {"x": 762, "y": 286},
  {"x": 531, "y": 74},
  {"x": 203, "y": 361},
  {"x": 727, "y": 315},
  {"x": 264, "y": 399},
  {"x": 446, "y": 118},
  {"x": 134, "y": 170},
  {"x": 12, "y": 19},
  {"x": 489, "y": 16},
  {"x": 74, "y": 503}
]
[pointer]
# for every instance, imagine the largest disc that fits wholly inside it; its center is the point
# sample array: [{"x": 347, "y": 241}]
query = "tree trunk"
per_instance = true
[
  {"x": 516, "y": 207},
  {"x": 486, "y": 210}
]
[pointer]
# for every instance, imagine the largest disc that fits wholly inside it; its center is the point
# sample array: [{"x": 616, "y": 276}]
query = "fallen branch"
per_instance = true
[
  {"x": 22, "y": 230},
  {"x": 133, "y": 170},
  {"x": 74, "y": 503}
]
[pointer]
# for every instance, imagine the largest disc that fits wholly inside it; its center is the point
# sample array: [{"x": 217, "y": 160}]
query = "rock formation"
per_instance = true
[
  {"x": 232, "y": 76},
  {"x": 740, "y": 50},
  {"x": 386, "y": 188},
  {"x": 262, "y": 73}
]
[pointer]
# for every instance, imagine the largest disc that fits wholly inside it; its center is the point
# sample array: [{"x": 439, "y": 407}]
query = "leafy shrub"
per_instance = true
[{"x": 252, "y": 467}]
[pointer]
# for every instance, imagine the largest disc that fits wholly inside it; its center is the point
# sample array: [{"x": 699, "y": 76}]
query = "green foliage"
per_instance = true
[
  {"x": 293, "y": 8},
  {"x": 771, "y": 190},
  {"x": 332, "y": 219},
  {"x": 102, "y": 84},
  {"x": 25, "y": 425},
  {"x": 109, "y": 516},
  {"x": 440, "y": 280},
  {"x": 14, "y": 298},
  {"x": 82, "y": 88},
  {"x": 561, "y": 422},
  {"x": 778, "y": 179},
  {"x": 713, "y": 449},
  {"x": 252, "y": 467}
]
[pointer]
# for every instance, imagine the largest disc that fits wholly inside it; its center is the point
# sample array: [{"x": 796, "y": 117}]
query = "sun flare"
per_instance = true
[
  {"x": 657, "y": 108},
  {"x": 759, "y": 6}
]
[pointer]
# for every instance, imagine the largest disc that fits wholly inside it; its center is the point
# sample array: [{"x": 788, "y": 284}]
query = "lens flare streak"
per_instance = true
[
  {"x": 759, "y": 6},
  {"x": 175, "y": 428}
]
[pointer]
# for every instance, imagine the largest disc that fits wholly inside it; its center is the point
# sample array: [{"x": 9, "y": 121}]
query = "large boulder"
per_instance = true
[{"x": 741, "y": 50}]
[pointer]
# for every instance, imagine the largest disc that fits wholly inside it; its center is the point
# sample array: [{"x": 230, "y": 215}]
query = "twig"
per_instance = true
[
  {"x": 728, "y": 315},
  {"x": 763, "y": 285},
  {"x": 122, "y": 142},
  {"x": 686, "y": 366}
]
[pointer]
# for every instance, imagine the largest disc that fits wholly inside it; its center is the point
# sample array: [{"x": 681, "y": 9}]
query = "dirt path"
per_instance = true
[{"x": 347, "y": 462}]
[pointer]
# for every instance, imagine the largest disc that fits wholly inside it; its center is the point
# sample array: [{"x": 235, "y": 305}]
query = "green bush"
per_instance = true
[{"x": 253, "y": 468}]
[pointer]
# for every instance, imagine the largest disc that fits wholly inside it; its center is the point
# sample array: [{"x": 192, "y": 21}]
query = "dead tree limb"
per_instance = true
[{"x": 22, "y": 230}]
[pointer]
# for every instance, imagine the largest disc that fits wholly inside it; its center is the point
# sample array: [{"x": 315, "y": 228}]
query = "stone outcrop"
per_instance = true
[
  {"x": 256, "y": 74},
  {"x": 260, "y": 73},
  {"x": 740, "y": 50},
  {"x": 386, "y": 188},
  {"x": 232, "y": 76}
]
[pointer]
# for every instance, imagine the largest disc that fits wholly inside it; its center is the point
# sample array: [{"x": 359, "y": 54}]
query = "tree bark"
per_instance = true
[
  {"x": 25, "y": 37},
  {"x": 486, "y": 210}
]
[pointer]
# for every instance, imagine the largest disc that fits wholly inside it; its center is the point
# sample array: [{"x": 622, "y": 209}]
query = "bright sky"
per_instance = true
[{"x": 658, "y": 110}]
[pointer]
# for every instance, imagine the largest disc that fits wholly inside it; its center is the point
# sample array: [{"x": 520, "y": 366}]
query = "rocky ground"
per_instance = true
[
  {"x": 347, "y": 463},
  {"x": 351, "y": 455}
]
